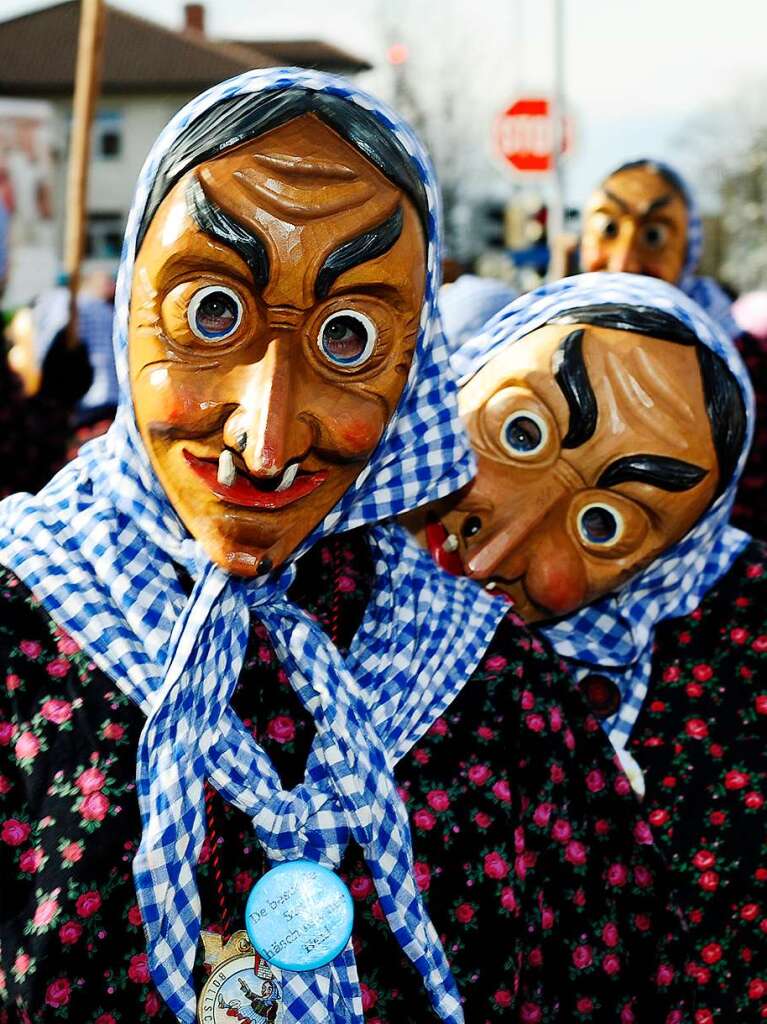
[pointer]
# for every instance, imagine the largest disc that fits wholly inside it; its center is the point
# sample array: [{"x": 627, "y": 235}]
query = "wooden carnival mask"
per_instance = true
[
  {"x": 274, "y": 314},
  {"x": 636, "y": 222},
  {"x": 595, "y": 455}
]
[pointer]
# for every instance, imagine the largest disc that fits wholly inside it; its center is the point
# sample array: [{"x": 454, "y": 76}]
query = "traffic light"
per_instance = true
[{"x": 491, "y": 224}]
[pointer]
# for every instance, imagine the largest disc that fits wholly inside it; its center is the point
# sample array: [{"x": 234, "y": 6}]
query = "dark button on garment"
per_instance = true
[{"x": 602, "y": 695}]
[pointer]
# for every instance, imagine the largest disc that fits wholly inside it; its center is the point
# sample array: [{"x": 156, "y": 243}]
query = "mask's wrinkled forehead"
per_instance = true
[
  {"x": 660, "y": 310},
  {"x": 236, "y": 120}
]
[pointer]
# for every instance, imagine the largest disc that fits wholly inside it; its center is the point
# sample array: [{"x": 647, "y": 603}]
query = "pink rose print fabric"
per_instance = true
[
  {"x": 701, "y": 741},
  {"x": 539, "y": 871}
]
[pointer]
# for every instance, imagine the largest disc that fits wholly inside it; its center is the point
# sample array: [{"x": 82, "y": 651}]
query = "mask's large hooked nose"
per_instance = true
[
  {"x": 266, "y": 427},
  {"x": 623, "y": 258},
  {"x": 510, "y": 533}
]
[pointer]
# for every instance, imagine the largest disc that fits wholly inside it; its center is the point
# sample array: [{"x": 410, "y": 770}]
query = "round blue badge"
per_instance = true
[{"x": 299, "y": 915}]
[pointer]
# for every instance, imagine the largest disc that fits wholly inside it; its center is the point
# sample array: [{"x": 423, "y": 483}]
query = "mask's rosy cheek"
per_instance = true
[
  {"x": 166, "y": 398},
  {"x": 357, "y": 428}
]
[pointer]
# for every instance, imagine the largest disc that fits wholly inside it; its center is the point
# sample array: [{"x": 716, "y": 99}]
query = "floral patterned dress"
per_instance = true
[
  {"x": 540, "y": 875},
  {"x": 701, "y": 741}
]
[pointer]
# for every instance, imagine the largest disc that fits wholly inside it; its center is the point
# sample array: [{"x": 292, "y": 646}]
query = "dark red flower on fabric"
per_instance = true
[
  {"x": 56, "y": 711},
  {"x": 704, "y": 859},
  {"x": 424, "y": 819},
  {"x": 611, "y": 963},
  {"x": 70, "y": 932},
  {"x": 696, "y": 728},
  {"x": 361, "y": 887},
  {"x": 582, "y": 957},
  {"x": 138, "y": 969},
  {"x": 94, "y": 807},
  {"x": 90, "y": 781},
  {"x": 757, "y": 989},
  {"x": 712, "y": 953},
  {"x": 58, "y": 992},
  {"x": 422, "y": 874},
  {"x": 281, "y": 729},
  {"x": 438, "y": 799},
  {"x": 709, "y": 881},
  {"x": 464, "y": 912},
  {"x": 88, "y": 903},
  {"x": 369, "y": 997},
  {"x": 495, "y": 866},
  {"x": 561, "y": 830},
  {"x": 15, "y": 832},
  {"x": 736, "y": 780}
]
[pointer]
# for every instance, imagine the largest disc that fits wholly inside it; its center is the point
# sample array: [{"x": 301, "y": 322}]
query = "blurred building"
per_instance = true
[{"x": 149, "y": 73}]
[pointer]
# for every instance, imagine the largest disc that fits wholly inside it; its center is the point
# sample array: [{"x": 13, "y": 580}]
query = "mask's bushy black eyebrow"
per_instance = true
[
  {"x": 659, "y": 470},
  {"x": 573, "y": 380},
  {"x": 211, "y": 219},
  {"x": 364, "y": 247}
]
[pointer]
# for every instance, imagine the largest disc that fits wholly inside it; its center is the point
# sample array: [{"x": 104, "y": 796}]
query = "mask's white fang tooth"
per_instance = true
[
  {"x": 289, "y": 477},
  {"x": 227, "y": 472},
  {"x": 490, "y": 585},
  {"x": 450, "y": 543}
]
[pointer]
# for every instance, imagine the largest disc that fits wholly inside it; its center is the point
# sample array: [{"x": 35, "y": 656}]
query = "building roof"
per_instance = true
[
  {"x": 307, "y": 53},
  {"x": 37, "y": 55}
]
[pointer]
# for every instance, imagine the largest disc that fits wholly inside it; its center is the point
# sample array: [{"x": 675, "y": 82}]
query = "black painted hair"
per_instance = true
[
  {"x": 724, "y": 401},
  {"x": 669, "y": 176},
  {"x": 239, "y": 119}
]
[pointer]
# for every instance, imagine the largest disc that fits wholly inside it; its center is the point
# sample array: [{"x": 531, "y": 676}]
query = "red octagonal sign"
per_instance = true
[{"x": 524, "y": 135}]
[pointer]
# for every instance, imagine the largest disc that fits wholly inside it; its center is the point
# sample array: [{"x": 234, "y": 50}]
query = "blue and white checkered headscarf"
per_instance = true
[
  {"x": 709, "y": 295},
  {"x": 614, "y": 635},
  {"x": 100, "y": 546}
]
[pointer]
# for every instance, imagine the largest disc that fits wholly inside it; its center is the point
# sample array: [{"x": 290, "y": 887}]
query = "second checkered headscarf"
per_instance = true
[
  {"x": 100, "y": 547},
  {"x": 614, "y": 635}
]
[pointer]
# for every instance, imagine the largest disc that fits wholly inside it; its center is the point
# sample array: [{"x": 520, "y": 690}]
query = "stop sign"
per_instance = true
[{"x": 525, "y": 136}]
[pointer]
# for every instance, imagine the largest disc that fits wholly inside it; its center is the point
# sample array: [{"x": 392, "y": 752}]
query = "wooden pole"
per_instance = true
[{"x": 90, "y": 47}]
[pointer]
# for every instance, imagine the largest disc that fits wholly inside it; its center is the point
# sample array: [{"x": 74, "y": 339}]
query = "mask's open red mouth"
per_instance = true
[
  {"x": 266, "y": 494},
  {"x": 436, "y": 536}
]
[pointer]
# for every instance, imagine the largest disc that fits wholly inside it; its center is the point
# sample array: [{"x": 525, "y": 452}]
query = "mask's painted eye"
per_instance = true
[
  {"x": 524, "y": 434},
  {"x": 214, "y": 313},
  {"x": 609, "y": 228},
  {"x": 655, "y": 236},
  {"x": 600, "y": 524},
  {"x": 347, "y": 338}
]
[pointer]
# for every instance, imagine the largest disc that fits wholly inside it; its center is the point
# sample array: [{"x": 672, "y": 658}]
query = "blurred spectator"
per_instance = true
[
  {"x": 95, "y": 313},
  {"x": 5, "y": 227},
  {"x": 750, "y": 314},
  {"x": 644, "y": 219},
  {"x": 34, "y": 429},
  {"x": 469, "y": 303}
]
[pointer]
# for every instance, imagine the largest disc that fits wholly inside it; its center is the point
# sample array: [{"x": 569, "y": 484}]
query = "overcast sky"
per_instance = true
[{"x": 637, "y": 71}]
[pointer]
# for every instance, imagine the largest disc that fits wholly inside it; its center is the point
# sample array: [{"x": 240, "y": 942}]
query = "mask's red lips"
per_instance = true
[
  {"x": 244, "y": 491},
  {"x": 436, "y": 535}
]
